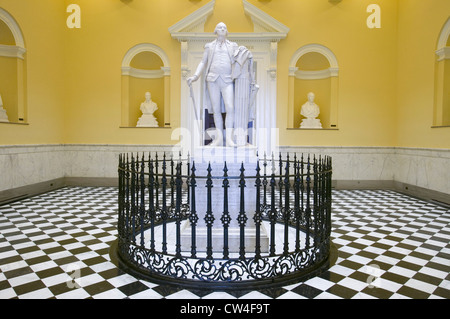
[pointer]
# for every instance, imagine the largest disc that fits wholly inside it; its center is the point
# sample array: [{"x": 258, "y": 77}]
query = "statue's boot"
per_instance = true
[{"x": 229, "y": 137}]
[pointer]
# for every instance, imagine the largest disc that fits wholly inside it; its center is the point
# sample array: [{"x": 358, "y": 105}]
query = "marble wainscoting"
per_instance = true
[
  {"x": 96, "y": 165},
  {"x": 27, "y": 169},
  {"x": 424, "y": 170},
  {"x": 419, "y": 172},
  {"x": 30, "y": 169}
]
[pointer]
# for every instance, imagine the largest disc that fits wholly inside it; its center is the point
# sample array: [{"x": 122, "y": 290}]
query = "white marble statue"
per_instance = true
[
  {"x": 218, "y": 67},
  {"x": 310, "y": 111},
  {"x": 3, "y": 116},
  {"x": 245, "y": 91},
  {"x": 148, "y": 107}
]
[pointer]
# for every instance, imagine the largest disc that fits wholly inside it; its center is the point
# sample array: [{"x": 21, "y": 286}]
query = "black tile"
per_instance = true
[
  {"x": 341, "y": 291},
  {"x": 307, "y": 291},
  {"x": 133, "y": 288},
  {"x": 18, "y": 272},
  {"x": 98, "y": 288},
  {"x": 413, "y": 293},
  {"x": 28, "y": 287},
  {"x": 377, "y": 292}
]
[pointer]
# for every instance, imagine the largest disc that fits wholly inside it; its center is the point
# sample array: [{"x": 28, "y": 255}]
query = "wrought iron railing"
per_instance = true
[{"x": 159, "y": 203}]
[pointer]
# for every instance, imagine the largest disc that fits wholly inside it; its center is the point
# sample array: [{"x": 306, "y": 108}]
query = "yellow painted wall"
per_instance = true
[
  {"x": 42, "y": 24},
  {"x": 420, "y": 23},
  {"x": 386, "y": 75}
]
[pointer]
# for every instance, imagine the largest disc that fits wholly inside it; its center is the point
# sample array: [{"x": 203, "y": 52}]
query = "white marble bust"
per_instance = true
[
  {"x": 3, "y": 116},
  {"x": 148, "y": 107},
  {"x": 310, "y": 111}
]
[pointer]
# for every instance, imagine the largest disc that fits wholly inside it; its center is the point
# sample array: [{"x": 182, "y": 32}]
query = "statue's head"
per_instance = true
[
  {"x": 221, "y": 29},
  {"x": 148, "y": 95},
  {"x": 311, "y": 96}
]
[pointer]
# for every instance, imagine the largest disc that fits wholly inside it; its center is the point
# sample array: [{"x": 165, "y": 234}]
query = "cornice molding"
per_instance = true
[
  {"x": 145, "y": 74},
  {"x": 12, "y": 51},
  {"x": 313, "y": 75}
]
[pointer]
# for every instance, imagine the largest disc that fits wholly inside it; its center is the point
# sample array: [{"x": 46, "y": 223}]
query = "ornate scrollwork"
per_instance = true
[{"x": 158, "y": 204}]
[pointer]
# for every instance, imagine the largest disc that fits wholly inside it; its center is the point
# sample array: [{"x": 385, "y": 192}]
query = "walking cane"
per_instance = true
[{"x": 193, "y": 101}]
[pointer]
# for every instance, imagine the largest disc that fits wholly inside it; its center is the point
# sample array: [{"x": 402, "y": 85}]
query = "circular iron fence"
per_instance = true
[{"x": 227, "y": 225}]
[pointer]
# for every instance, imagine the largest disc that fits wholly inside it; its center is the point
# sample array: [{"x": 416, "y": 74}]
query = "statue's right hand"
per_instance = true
[{"x": 191, "y": 79}]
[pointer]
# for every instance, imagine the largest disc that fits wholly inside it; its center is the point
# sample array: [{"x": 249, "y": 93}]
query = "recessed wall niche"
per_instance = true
[
  {"x": 13, "y": 69},
  {"x": 442, "y": 81},
  {"x": 313, "y": 68},
  {"x": 145, "y": 68}
]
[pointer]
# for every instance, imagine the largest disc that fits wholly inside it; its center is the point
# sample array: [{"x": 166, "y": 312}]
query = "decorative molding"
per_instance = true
[
  {"x": 194, "y": 22},
  {"x": 262, "y": 21},
  {"x": 145, "y": 74},
  {"x": 443, "y": 53},
  {"x": 266, "y": 28},
  {"x": 314, "y": 75},
  {"x": 14, "y": 27},
  {"x": 144, "y": 47},
  {"x": 314, "y": 47},
  {"x": 12, "y": 51},
  {"x": 443, "y": 36}
]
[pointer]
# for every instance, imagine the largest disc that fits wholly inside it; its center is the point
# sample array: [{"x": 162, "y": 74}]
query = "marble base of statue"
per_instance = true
[
  {"x": 147, "y": 120},
  {"x": 234, "y": 158}
]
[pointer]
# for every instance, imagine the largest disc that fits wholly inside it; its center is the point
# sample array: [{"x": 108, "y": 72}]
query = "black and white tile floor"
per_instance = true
[{"x": 56, "y": 245}]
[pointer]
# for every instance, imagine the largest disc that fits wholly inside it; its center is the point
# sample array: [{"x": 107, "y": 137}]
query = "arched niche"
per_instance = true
[
  {"x": 313, "y": 68},
  {"x": 441, "y": 116},
  {"x": 13, "y": 69},
  {"x": 145, "y": 68}
]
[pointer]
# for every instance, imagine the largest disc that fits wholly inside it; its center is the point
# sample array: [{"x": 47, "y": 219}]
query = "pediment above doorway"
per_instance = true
[{"x": 265, "y": 27}]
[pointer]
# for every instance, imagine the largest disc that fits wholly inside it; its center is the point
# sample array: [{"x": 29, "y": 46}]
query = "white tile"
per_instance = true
[
  {"x": 353, "y": 284},
  {"x": 319, "y": 283},
  {"x": 182, "y": 294},
  {"x": 420, "y": 285},
  {"x": 20, "y": 280},
  {"x": 110, "y": 294},
  {"x": 146, "y": 294},
  {"x": 255, "y": 295},
  {"x": 74, "y": 294},
  {"x": 218, "y": 295}
]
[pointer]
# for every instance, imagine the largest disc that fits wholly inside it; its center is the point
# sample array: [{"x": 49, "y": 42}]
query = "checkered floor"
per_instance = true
[{"x": 56, "y": 245}]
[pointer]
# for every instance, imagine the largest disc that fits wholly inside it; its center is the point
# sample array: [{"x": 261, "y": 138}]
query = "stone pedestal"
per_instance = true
[
  {"x": 147, "y": 120},
  {"x": 310, "y": 123},
  {"x": 234, "y": 158}
]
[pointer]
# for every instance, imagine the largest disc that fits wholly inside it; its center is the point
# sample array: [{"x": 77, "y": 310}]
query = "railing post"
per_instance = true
[
  {"x": 209, "y": 217},
  {"x": 178, "y": 216},
  {"x": 242, "y": 218},
  {"x": 193, "y": 217},
  {"x": 164, "y": 214},
  {"x": 133, "y": 200},
  {"x": 152, "y": 212},
  {"x": 316, "y": 213},
  {"x": 127, "y": 199},
  {"x": 257, "y": 218},
  {"x": 264, "y": 182},
  {"x": 297, "y": 203},
  {"x": 226, "y": 219},
  {"x": 286, "y": 214},
  {"x": 142, "y": 200},
  {"x": 172, "y": 183},
  {"x": 273, "y": 210},
  {"x": 308, "y": 207},
  {"x": 120, "y": 219}
]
